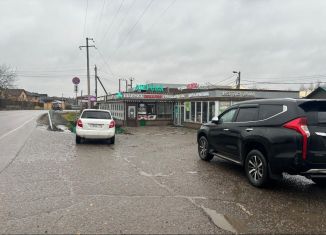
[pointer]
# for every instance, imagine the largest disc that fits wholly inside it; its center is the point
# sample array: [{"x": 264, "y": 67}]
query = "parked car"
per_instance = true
[
  {"x": 56, "y": 105},
  {"x": 95, "y": 124},
  {"x": 269, "y": 137}
]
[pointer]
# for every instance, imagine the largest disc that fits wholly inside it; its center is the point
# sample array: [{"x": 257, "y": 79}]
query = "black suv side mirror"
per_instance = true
[{"x": 215, "y": 120}]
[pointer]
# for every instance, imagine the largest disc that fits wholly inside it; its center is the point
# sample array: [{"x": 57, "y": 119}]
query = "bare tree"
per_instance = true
[{"x": 7, "y": 77}]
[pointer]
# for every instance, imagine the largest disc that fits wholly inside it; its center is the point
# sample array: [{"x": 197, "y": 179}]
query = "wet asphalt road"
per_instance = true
[
  {"x": 15, "y": 128},
  {"x": 149, "y": 182}
]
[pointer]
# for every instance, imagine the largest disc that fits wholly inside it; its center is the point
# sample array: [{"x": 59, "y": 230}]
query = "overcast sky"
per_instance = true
[{"x": 174, "y": 41}]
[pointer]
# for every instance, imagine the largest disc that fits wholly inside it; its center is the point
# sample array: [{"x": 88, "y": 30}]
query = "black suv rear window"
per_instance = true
[
  {"x": 247, "y": 114},
  {"x": 269, "y": 110},
  {"x": 96, "y": 115},
  {"x": 315, "y": 112}
]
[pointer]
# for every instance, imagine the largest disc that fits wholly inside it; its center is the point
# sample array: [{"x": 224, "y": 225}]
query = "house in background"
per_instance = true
[
  {"x": 318, "y": 93},
  {"x": 35, "y": 97},
  {"x": 15, "y": 95}
]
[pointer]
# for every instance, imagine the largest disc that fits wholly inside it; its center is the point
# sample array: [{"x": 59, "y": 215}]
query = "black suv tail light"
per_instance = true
[{"x": 300, "y": 126}]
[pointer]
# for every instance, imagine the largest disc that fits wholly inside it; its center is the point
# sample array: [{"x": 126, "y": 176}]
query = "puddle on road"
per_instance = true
[{"x": 225, "y": 222}]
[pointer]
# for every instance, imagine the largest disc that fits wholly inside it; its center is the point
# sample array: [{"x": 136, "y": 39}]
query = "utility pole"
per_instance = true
[
  {"x": 119, "y": 84},
  {"x": 102, "y": 86},
  {"x": 126, "y": 85},
  {"x": 238, "y": 79},
  {"x": 95, "y": 69},
  {"x": 81, "y": 100},
  {"x": 88, "y": 76}
]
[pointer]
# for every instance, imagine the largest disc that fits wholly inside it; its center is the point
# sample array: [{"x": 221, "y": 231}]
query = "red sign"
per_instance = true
[
  {"x": 76, "y": 80},
  {"x": 193, "y": 86},
  {"x": 153, "y": 96}
]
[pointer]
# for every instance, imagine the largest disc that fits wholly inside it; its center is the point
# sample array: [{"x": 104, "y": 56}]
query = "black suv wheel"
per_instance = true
[
  {"x": 256, "y": 168},
  {"x": 203, "y": 149}
]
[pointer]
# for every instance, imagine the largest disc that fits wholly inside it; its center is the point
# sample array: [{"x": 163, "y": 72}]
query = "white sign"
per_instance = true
[{"x": 239, "y": 93}]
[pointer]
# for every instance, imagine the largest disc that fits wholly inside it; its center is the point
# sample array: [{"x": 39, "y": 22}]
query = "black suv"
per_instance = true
[{"x": 269, "y": 137}]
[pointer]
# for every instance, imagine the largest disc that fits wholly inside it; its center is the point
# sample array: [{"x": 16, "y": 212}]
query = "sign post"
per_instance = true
[{"x": 76, "y": 81}]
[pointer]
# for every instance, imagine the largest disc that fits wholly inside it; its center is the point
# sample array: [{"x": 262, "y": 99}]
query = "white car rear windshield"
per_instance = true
[{"x": 96, "y": 115}]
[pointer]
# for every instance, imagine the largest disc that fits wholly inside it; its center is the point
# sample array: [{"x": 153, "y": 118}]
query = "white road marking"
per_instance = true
[{"x": 17, "y": 128}]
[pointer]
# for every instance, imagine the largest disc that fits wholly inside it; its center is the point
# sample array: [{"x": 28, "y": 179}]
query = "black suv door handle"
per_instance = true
[{"x": 249, "y": 129}]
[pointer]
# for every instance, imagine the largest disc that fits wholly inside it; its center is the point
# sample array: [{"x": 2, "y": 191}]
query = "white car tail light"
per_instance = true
[
  {"x": 80, "y": 123},
  {"x": 112, "y": 124}
]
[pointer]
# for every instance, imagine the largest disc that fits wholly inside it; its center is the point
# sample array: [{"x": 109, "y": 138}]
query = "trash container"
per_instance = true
[{"x": 142, "y": 122}]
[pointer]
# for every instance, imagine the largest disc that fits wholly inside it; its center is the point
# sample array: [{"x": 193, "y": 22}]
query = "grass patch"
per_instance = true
[{"x": 71, "y": 117}]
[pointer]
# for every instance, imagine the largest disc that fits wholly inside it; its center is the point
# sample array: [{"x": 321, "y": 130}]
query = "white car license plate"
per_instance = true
[{"x": 96, "y": 125}]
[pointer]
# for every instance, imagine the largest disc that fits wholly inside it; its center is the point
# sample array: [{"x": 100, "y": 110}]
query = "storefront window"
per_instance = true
[
  {"x": 193, "y": 109},
  {"x": 211, "y": 110},
  {"x": 199, "y": 114},
  {"x": 164, "y": 110},
  {"x": 204, "y": 120},
  {"x": 223, "y": 105},
  {"x": 150, "y": 109}
]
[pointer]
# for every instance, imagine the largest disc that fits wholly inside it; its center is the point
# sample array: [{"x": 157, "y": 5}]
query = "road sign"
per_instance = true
[{"x": 76, "y": 80}]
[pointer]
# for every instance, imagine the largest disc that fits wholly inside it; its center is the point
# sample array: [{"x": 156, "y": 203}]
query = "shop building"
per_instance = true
[{"x": 188, "y": 108}]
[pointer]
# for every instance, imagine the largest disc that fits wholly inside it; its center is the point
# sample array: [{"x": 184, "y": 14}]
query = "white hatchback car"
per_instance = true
[{"x": 95, "y": 124}]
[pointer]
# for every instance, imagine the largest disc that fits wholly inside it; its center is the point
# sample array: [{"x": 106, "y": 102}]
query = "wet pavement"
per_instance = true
[{"x": 150, "y": 181}]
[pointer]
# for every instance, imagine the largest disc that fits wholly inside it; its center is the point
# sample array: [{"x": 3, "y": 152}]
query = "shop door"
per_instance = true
[
  {"x": 182, "y": 114},
  {"x": 178, "y": 114},
  {"x": 131, "y": 115}
]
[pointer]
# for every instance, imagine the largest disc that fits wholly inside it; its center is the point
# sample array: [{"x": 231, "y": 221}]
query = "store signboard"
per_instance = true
[
  {"x": 119, "y": 95},
  {"x": 193, "y": 86},
  {"x": 149, "y": 87},
  {"x": 198, "y": 94},
  {"x": 147, "y": 96},
  {"x": 239, "y": 93}
]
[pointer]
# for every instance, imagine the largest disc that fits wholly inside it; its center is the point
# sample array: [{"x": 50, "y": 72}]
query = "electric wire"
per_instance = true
[
  {"x": 161, "y": 15},
  {"x": 105, "y": 62},
  {"x": 85, "y": 20},
  {"x": 133, "y": 27},
  {"x": 112, "y": 21},
  {"x": 125, "y": 17},
  {"x": 267, "y": 83},
  {"x": 100, "y": 19}
]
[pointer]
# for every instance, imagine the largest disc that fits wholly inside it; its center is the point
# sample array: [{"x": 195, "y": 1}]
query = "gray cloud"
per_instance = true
[{"x": 194, "y": 41}]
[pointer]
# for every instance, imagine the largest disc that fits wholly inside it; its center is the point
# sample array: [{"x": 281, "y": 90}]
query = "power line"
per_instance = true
[
  {"x": 125, "y": 17},
  {"x": 100, "y": 18},
  {"x": 134, "y": 26},
  {"x": 226, "y": 79},
  {"x": 112, "y": 21},
  {"x": 161, "y": 15},
  {"x": 289, "y": 76},
  {"x": 105, "y": 62},
  {"x": 48, "y": 76},
  {"x": 49, "y": 71},
  {"x": 85, "y": 20},
  {"x": 255, "y": 82},
  {"x": 158, "y": 18}
]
